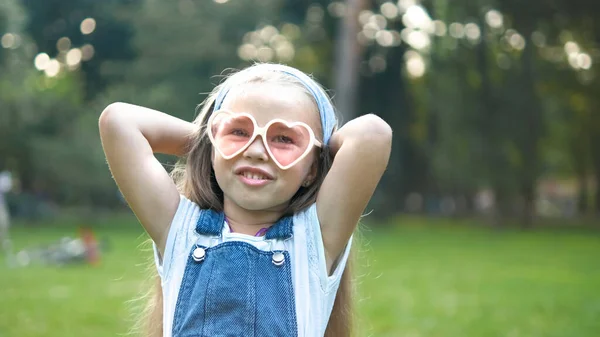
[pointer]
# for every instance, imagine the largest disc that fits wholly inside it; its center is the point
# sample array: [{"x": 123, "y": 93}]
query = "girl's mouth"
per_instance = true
[
  {"x": 253, "y": 176},
  {"x": 253, "y": 179}
]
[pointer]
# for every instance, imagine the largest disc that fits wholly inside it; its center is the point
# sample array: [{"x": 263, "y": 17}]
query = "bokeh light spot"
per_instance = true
[
  {"x": 87, "y": 52},
  {"x": 364, "y": 16},
  {"x": 494, "y": 19},
  {"x": 404, "y": 5},
  {"x": 573, "y": 60},
  {"x": 439, "y": 28},
  {"x": 417, "y": 18},
  {"x": 247, "y": 51},
  {"x": 517, "y": 41},
  {"x": 285, "y": 51},
  {"x": 418, "y": 39},
  {"x": 291, "y": 31},
  {"x": 337, "y": 9},
  {"x": 384, "y": 38},
  {"x": 63, "y": 44},
  {"x": 9, "y": 40},
  {"x": 378, "y": 20},
  {"x": 472, "y": 31},
  {"x": 88, "y": 26},
  {"x": 315, "y": 14},
  {"x": 377, "y": 63},
  {"x": 584, "y": 61},
  {"x": 389, "y": 10},
  {"x": 415, "y": 65},
  {"x": 268, "y": 32},
  {"x": 538, "y": 38},
  {"x": 41, "y": 61},
  {"x": 265, "y": 54},
  {"x": 457, "y": 30},
  {"x": 53, "y": 68},
  {"x": 571, "y": 48},
  {"x": 370, "y": 30},
  {"x": 74, "y": 57}
]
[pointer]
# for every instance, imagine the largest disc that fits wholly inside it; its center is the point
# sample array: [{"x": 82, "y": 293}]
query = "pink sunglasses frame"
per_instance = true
[{"x": 262, "y": 132}]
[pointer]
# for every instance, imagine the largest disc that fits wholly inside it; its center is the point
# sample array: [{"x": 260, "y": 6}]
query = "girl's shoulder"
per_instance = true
[
  {"x": 307, "y": 215},
  {"x": 187, "y": 210},
  {"x": 306, "y": 223}
]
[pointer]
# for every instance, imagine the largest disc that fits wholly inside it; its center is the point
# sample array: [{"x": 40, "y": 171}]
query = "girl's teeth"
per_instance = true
[{"x": 253, "y": 176}]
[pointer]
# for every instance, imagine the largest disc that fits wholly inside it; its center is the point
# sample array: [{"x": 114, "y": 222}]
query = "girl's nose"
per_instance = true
[{"x": 257, "y": 150}]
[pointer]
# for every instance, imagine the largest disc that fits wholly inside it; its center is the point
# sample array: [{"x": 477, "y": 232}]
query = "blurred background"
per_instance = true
[{"x": 486, "y": 222}]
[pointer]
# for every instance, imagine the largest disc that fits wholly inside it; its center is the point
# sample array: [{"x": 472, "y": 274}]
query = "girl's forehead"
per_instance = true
[{"x": 268, "y": 101}]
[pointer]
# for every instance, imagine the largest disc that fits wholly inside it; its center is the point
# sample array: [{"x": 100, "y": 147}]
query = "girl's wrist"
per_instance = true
[
  {"x": 181, "y": 140},
  {"x": 188, "y": 140}
]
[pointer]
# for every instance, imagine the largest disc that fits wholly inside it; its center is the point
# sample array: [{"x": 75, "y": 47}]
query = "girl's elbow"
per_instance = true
[
  {"x": 377, "y": 130},
  {"x": 108, "y": 117}
]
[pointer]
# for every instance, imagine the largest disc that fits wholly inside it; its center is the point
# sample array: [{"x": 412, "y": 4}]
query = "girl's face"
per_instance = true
[{"x": 251, "y": 180}]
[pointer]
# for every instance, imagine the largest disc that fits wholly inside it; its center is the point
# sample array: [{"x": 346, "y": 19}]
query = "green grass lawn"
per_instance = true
[{"x": 415, "y": 278}]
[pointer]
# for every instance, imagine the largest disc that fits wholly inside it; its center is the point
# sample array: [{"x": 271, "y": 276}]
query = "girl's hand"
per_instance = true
[{"x": 362, "y": 149}]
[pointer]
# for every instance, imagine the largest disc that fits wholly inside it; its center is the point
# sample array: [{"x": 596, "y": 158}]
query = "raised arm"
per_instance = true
[
  {"x": 130, "y": 136},
  {"x": 362, "y": 149}
]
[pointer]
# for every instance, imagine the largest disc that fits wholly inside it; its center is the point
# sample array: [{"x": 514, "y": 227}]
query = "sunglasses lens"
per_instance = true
[
  {"x": 231, "y": 133},
  {"x": 287, "y": 144}
]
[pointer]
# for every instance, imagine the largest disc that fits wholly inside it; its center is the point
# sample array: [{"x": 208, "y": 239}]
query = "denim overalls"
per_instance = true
[{"x": 231, "y": 288}]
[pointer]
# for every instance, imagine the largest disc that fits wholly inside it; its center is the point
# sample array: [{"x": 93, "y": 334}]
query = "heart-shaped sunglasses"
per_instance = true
[{"x": 286, "y": 142}]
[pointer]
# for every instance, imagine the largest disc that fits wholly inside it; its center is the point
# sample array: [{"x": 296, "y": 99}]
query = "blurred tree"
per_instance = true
[
  {"x": 567, "y": 36},
  {"x": 45, "y": 138},
  {"x": 347, "y": 59},
  {"x": 61, "y": 20},
  {"x": 481, "y": 94},
  {"x": 584, "y": 16},
  {"x": 179, "y": 45}
]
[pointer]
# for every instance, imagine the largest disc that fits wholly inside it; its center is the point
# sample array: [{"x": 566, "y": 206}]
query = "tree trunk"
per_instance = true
[
  {"x": 531, "y": 134},
  {"x": 597, "y": 194},
  {"x": 489, "y": 156},
  {"x": 347, "y": 60},
  {"x": 579, "y": 163},
  {"x": 595, "y": 154},
  {"x": 584, "y": 192}
]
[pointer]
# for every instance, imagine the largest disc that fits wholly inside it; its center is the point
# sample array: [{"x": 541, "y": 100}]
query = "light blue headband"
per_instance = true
[{"x": 328, "y": 119}]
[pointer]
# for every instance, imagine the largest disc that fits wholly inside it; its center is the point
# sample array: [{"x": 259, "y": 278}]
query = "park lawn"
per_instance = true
[{"x": 416, "y": 277}]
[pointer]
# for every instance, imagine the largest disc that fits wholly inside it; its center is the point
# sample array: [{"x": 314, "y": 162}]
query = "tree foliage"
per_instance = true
[{"x": 481, "y": 104}]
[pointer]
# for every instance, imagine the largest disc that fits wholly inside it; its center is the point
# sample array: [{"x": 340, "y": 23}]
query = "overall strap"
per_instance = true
[
  {"x": 281, "y": 230},
  {"x": 211, "y": 223}
]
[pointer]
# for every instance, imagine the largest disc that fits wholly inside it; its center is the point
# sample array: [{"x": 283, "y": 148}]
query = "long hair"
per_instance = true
[{"x": 195, "y": 179}]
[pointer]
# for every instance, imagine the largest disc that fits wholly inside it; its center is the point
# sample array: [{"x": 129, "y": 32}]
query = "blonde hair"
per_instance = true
[{"x": 195, "y": 179}]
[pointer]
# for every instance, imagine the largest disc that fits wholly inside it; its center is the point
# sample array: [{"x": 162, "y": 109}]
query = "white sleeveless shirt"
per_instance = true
[{"x": 314, "y": 289}]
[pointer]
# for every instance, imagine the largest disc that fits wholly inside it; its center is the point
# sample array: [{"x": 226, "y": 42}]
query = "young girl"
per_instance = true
[{"x": 253, "y": 236}]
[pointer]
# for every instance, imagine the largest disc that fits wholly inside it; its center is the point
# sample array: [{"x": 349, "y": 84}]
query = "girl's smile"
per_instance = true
[{"x": 253, "y": 176}]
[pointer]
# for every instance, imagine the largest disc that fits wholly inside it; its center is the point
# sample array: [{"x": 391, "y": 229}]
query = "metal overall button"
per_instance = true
[
  {"x": 278, "y": 259},
  {"x": 199, "y": 254}
]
